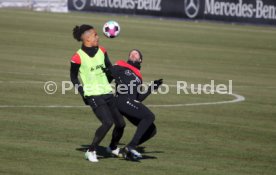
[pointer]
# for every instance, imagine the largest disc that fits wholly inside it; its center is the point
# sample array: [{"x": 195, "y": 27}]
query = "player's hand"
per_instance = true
[
  {"x": 157, "y": 83},
  {"x": 80, "y": 89},
  {"x": 106, "y": 70}
]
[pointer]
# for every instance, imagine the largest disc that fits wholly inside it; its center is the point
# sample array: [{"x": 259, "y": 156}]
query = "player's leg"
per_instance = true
[
  {"x": 144, "y": 118},
  {"x": 148, "y": 134},
  {"x": 103, "y": 113},
  {"x": 118, "y": 129}
]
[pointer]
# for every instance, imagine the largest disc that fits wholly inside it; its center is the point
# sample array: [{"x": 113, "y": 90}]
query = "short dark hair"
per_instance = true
[{"x": 79, "y": 30}]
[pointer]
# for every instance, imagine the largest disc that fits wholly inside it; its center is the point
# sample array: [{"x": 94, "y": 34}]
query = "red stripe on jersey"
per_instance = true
[
  {"x": 102, "y": 49},
  {"x": 76, "y": 59},
  {"x": 126, "y": 65}
]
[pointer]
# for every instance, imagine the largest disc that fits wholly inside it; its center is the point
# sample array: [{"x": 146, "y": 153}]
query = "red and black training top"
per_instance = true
[{"x": 126, "y": 75}]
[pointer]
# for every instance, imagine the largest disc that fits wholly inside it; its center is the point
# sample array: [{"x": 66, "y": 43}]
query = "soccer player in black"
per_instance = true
[
  {"x": 129, "y": 100},
  {"x": 96, "y": 90}
]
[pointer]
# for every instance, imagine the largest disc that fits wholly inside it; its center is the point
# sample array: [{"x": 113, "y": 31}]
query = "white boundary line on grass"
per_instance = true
[{"x": 238, "y": 98}]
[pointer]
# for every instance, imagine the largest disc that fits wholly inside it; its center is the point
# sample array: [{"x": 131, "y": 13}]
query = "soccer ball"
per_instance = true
[{"x": 111, "y": 29}]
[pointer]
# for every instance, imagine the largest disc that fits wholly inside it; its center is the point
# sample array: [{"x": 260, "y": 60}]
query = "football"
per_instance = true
[{"x": 111, "y": 29}]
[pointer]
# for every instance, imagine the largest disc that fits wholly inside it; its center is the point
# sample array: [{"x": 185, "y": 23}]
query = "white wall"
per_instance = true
[{"x": 37, "y": 5}]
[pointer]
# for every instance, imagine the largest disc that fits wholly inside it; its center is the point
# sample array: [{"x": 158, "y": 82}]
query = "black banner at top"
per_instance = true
[{"x": 250, "y": 11}]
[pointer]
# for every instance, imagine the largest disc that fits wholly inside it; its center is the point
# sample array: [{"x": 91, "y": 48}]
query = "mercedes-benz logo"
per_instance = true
[
  {"x": 191, "y": 8},
  {"x": 79, "y": 4}
]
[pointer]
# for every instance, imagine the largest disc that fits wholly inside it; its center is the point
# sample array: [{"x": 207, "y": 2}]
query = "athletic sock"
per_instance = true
[
  {"x": 112, "y": 146},
  {"x": 91, "y": 148}
]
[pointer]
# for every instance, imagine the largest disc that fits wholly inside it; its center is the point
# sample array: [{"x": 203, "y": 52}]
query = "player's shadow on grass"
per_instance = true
[
  {"x": 141, "y": 149},
  {"x": 102, "y": 153}
]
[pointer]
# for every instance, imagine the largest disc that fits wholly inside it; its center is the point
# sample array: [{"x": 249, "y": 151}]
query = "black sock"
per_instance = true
[
  {"x": 91, "y": 148},
  {"x": 112, "y": 147}
]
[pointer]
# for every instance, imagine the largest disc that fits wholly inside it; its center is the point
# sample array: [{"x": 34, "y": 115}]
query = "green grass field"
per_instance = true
[{"x": 224, "y": 139}]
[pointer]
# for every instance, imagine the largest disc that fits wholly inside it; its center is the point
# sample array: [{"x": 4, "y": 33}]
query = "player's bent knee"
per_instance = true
[
  {"x": 151, "y": 117},
  {"x": 120, "y": 125},
  {"x": 108, "y": 124},
  {"x": 154, "y": 132},
  {"x": 123, "y": 125}
]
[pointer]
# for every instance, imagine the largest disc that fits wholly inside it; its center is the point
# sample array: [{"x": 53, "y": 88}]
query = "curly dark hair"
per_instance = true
[{"x": 79, "y": 30}]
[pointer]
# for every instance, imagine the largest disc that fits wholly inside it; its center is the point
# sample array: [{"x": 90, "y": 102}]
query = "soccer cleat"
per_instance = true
[
  {"x": 116, "y": 152},
  {"x": 136, "y": 153},
  {"x": 91, "y": 156},
  {"x": 131, "y": 154}
]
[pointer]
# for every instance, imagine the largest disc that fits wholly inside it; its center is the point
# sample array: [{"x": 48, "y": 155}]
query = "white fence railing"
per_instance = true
[{"x": 36, "y": 5}]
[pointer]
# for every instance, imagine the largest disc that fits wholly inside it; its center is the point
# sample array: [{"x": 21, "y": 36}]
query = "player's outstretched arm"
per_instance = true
[{"x": 155, "y": 85}]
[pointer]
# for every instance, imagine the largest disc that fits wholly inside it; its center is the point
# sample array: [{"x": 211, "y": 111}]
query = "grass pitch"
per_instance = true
[{"x": 228, "y": 139}]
